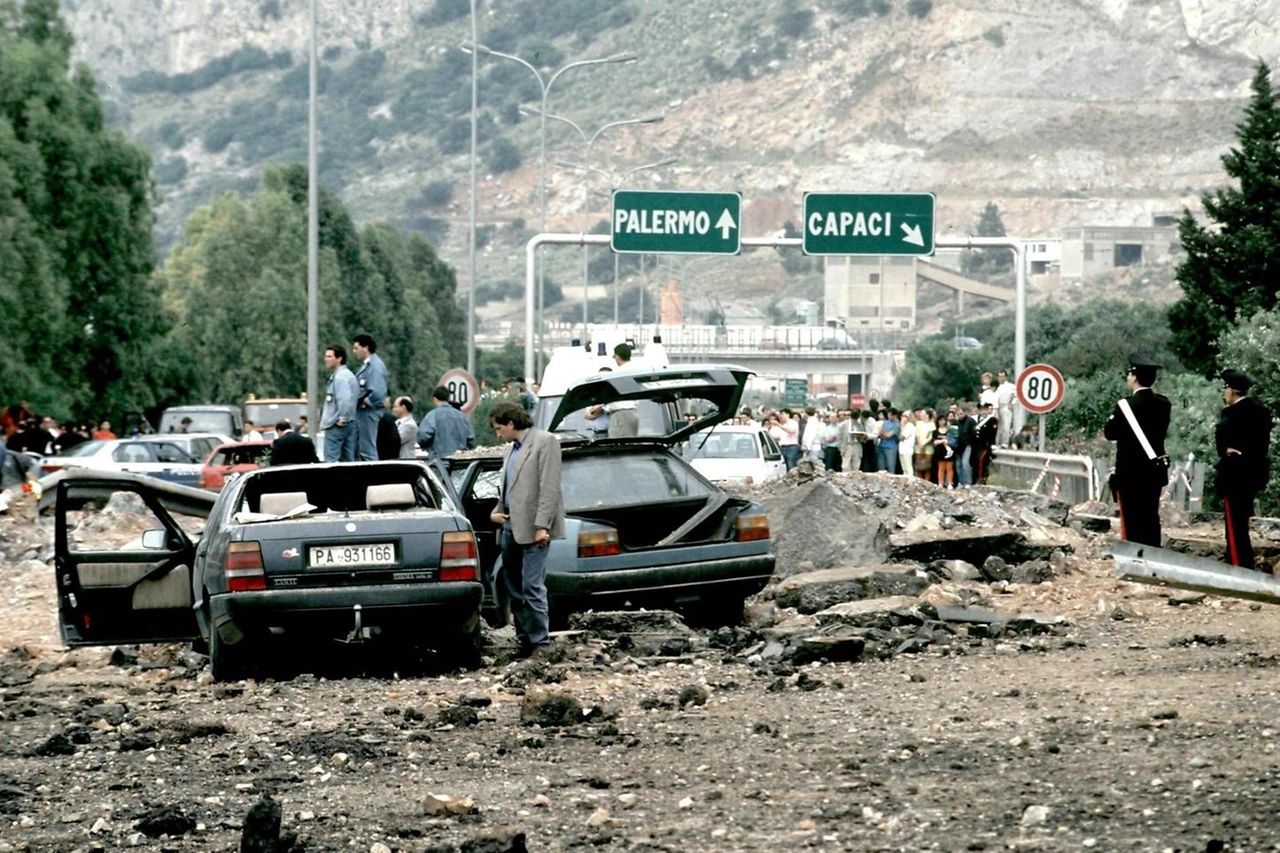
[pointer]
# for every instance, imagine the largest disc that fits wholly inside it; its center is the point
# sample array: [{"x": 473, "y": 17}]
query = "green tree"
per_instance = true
[
  {"x": 237, "y": 288},
  {"x": 988, "y": 261},
  {"x": 79, "y": 306},
  {"x": 1231, "y": 265},
  {"x": 934, "y": 371}
]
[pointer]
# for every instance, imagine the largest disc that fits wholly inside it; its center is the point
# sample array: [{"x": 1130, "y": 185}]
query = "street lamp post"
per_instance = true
[
  {"x": 544, "y": 83},
  {"x": 313, "y": 239},
  {"x": 590, "y": 141},
  {"x": 614, "y": 186}
]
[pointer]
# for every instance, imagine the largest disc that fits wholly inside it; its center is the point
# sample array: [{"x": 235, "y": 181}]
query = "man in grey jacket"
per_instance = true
[{"x": 530, "y": 509}]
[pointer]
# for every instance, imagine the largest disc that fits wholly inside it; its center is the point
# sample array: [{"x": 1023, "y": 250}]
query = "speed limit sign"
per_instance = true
[
  {"x": 1040, "y": 388},
  {"x": 463, "y": 389}
]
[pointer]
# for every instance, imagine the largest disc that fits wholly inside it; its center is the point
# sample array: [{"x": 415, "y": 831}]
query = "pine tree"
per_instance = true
[
  {"x": 1231, "y": 266},
  {"x": 988, "y": 261}
]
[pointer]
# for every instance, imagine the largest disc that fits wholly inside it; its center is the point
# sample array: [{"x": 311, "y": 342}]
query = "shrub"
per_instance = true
[
  {"x": 795, "y": 23},
  {"x": 437, "y": 193},
  {"x": 995, "y": 35},
  {"x": 444, "y": 11},
  {"x": 209, "y": 74},
  {"x": 171, "y": 135},
  {"x": 504, "y": 156},
  {"x": 219, "y": 135},
  {"x": 880, "y": 7},
  {"x": 170, "y": 170},
  {"x": 919, "y": 8}
]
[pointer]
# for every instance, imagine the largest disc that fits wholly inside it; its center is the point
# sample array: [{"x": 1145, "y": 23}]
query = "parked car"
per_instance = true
[
  {"x": 961, "y": 342},
  {"x": 734, "y": 453},
  {"x": 230, "y": 458},
  {"x": 165, "y": 460},
  {"x": 354, "y": 553},
  {"x": 643, "y": 527},
  {"x": 198, "y": 445}
]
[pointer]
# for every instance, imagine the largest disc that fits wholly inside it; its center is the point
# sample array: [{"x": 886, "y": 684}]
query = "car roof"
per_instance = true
[{"x": 721, "y": 385}]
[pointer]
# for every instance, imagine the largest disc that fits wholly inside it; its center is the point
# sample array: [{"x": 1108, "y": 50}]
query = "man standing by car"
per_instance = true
[
  {"x": 445, "y": 430},
  {"x": 372, "y": 378},
  {"x": 624, "y": 419},
  {"x": 406, "y": 426},
  {"x": 530, "y": 509},
  {"x": 1243, "y": 437},
  {"x": 337, "y": 419},
  {"x": 1138, "y": 479}
]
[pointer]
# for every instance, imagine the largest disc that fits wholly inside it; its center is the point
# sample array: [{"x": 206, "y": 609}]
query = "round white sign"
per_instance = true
[
  {"x": 463, "y": 388},
  {"x": 1040, "y": 388}
]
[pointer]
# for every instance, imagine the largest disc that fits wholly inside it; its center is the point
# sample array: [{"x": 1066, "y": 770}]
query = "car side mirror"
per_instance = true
[{"x": 155, "y": 540}]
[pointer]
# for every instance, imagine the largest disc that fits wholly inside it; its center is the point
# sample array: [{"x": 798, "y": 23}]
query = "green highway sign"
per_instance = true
[
  {"x": 677, "y": 222},
  {"x": 796, "y": 392},
  {"x": 868, "y": 224}
]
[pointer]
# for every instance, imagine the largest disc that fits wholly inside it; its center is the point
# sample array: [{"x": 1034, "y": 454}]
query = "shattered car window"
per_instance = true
[{"x": 591, "y": 482}]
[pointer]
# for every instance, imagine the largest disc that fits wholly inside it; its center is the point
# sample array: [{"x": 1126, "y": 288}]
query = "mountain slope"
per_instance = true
[{"x": 1062, "y": 112}]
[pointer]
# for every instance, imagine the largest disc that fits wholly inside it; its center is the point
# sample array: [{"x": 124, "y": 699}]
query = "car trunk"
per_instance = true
[
  {"x": 690, "y": 521},
  {"x": 321, "y": 551}
]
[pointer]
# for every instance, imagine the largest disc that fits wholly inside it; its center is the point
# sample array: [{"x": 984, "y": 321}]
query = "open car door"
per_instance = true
[{"x": 123, "y": 564}]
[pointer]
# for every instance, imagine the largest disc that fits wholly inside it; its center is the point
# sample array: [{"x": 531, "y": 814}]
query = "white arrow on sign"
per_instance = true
[
  {"x": 726, "y": 224},
  {"x": 913, "y": 235}
]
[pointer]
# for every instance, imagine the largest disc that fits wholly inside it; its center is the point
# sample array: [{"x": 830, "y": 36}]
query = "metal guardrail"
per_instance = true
[{"x": 1073, "y": 479}]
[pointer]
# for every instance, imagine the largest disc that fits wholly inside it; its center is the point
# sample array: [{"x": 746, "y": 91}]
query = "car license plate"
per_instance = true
[{"x": 345, "y": 556}]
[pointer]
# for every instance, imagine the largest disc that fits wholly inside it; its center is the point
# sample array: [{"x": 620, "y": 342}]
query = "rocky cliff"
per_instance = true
[{"x": 1063, "y": 112}]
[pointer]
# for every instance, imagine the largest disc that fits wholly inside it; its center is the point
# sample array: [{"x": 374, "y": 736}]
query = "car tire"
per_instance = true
[
  {"x": 464, "y": 651},
  {"x": 718, "y": 612},
  {"x": 496, "y": 611},
  {"x": 227, "y": 662}
]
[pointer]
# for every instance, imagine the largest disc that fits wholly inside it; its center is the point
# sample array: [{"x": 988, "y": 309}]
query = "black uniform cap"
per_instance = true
[
  {"x": 1141, "y": 359},
  {"x": 1236, "y": 381}
]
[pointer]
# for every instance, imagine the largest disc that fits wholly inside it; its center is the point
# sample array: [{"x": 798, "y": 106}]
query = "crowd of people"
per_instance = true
[{"x": 950, "y": 447}]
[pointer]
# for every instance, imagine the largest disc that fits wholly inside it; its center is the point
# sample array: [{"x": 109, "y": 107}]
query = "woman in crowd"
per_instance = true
[
  {"x": 925, "y": 426},
  {"x": 944, "y": 452}
]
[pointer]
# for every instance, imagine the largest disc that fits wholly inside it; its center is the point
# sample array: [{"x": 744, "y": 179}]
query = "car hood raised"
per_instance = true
[{"x": 720, "y": 385}]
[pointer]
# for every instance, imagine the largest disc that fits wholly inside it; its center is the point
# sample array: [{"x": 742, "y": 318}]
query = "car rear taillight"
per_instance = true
[
  {"x": 751, "y": 527},
  {"x": 458, "y": 560},
  {"x": 598, "y": 543},
  {"x": 244, "y": 568}
]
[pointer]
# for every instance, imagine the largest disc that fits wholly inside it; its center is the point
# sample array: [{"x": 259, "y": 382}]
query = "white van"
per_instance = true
[{"x": 572, "y": 364}]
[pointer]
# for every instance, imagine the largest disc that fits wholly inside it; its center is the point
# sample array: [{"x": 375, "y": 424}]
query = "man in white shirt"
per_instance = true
[
  {"x": 1006, "y": 393},
  {"x": 406, "y": 426},
  {"x": 987, "y": 393},
  {"x": 811, "y": 440},
  {"x": 624, "y": 420}
]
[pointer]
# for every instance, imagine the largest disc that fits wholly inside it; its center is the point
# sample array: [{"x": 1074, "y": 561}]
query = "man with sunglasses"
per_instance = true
[{"x": 1140, "y": 475}]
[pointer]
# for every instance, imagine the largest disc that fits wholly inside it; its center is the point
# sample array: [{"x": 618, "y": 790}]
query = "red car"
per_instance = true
[{"x": 231, "y": 458}]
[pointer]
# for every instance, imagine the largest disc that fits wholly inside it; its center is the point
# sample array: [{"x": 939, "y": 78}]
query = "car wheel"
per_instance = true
[
  {"x": 495, "y": 608},
  {"x": 227, "y": 662},
  {"x": 463, "y": 652},
  {"x": 718, "y": 612}
]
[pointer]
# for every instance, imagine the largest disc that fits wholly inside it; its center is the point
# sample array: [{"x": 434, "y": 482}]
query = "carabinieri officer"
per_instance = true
[
  {"x": 1242, "y": 437},
  {"x": 1137, "y": 480}
]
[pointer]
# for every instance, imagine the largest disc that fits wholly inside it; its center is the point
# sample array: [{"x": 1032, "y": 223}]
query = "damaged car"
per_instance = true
[
  {"x": 355, "y": 553},
  {"x": 643, "y": 527}
]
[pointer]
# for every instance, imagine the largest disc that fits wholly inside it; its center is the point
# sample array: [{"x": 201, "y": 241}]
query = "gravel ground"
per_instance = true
[{"x": 1147, "y": 722}]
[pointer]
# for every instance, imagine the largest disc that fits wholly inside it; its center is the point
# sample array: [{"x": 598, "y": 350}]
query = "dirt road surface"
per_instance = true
[{"x": 1147, "y": 721}]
